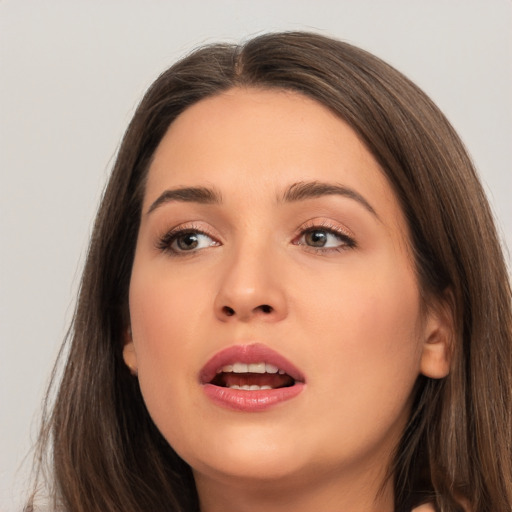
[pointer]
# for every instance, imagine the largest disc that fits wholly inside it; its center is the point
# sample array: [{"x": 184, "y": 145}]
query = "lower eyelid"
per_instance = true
[{"x": 344, "y": 242}]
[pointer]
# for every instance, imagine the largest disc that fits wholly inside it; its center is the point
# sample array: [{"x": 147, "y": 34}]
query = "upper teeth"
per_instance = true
[{"x": 250, "y": 368}]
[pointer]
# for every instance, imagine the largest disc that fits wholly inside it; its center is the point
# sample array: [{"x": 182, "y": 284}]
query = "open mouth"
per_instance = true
[
  {"x": 250, "y": 368},
  {"x": 252, "y": 377}
]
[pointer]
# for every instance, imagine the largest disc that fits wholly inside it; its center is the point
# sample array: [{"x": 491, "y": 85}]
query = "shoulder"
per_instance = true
[{"x": 427, "y": 507}]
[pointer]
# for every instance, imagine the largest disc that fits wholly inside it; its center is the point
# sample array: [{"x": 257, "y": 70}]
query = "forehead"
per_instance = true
[{"x": 253, "y": 143}]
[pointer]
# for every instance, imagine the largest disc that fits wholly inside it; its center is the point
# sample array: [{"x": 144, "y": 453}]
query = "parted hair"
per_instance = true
[{"x": 99, "y": 450}]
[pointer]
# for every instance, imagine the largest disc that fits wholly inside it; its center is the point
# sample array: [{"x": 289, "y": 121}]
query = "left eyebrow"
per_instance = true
[{"x": 303, "y": 190}]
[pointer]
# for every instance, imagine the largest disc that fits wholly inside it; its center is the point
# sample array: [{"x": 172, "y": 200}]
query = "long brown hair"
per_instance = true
[{"x": 106, "y": 453}]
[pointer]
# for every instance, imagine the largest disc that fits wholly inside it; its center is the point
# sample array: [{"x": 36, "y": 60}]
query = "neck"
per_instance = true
[{"x": 328, "y": 493}]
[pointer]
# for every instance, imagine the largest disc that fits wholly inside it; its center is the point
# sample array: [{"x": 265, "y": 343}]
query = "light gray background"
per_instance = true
[{"x": 72, "y": 73}]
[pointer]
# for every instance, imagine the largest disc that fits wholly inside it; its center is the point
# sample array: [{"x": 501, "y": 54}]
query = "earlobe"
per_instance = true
[
  {"x": 438, "y": 339},
  {"x": 129, "y": 354}
]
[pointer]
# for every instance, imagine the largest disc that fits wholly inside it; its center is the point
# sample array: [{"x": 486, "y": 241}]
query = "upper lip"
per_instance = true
[{"x": 251, "y": 353}]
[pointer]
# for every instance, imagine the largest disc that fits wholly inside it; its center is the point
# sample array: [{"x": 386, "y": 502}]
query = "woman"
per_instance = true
[{"x": 294, "y": 299}]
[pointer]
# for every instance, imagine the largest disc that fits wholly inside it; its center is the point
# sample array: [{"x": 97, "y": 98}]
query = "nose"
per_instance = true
[{"x": 251, "y": 287}]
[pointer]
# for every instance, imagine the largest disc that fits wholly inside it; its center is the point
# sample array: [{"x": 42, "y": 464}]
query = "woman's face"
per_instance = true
[{"x": 270, "y": 237}]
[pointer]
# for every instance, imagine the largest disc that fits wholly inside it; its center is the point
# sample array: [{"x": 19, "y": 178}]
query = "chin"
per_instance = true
[{"x": 249, "y": 455}]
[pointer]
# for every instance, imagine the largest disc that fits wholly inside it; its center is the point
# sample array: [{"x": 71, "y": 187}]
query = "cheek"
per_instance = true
[
  {"x": 161, "y": 316},
  {"x": 164, "y": 327},
  {"x": 368, "y": 339},
  {"x": 361, "y": 297}
]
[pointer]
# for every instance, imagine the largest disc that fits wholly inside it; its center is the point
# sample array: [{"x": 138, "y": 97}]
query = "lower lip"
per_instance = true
[{"x": 251, "y": 401}]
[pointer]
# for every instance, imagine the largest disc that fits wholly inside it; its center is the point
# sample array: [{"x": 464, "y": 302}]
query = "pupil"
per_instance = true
[
  {"x": 188, "y": 241},
  {"x": 316, "y": 238}
]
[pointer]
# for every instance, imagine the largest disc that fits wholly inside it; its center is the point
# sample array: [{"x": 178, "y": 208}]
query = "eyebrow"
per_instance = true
[
  {"x": 303, "y": 190},
  {"x": 299, "y": 191},
  {"x": 201, "y": 195}
]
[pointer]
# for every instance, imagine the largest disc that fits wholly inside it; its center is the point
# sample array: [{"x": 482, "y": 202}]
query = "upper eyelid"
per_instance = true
[
  {"x": 326, "y": 224},
  {"x": 189, "y": 227}
]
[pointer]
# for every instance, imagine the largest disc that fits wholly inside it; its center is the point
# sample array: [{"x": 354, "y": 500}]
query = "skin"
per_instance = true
[{"x": 348, "y": 315}]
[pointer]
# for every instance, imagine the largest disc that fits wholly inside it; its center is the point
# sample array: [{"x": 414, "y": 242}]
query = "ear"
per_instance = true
[
  {"x": 129, "y": 354},
  {"x": 438, "y": 338}
]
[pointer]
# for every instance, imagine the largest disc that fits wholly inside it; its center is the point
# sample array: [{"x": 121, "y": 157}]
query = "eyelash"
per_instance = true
[
  {"x": 165, "y": 241},
  {"x": 347, "y": 241}
]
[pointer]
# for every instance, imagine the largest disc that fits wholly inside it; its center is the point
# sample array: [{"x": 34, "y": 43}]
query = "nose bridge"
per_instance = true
[{"x": 251, "y": 284}]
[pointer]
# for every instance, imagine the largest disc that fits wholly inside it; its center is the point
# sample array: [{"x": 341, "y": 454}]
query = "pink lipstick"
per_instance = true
[{"x": 250, "y": 378}]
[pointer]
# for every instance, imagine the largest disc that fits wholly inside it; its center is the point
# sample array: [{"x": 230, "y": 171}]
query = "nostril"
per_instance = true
[
  {"x": 228, "y": 311},
  {"x": 264, "y": 308}
]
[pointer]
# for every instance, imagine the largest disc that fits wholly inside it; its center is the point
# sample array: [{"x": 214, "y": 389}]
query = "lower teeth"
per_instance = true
[{"x": 250, "y": 388}]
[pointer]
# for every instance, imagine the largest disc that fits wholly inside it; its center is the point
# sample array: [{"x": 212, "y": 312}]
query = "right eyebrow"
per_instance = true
[{"x": 202, "y": 195}]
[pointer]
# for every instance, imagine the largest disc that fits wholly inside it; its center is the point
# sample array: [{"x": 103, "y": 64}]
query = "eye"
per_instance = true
[
  {"x": 325, "y": 238},
  {"x": 320, "y": 238},
  {"x": 186, "y": 240}
]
